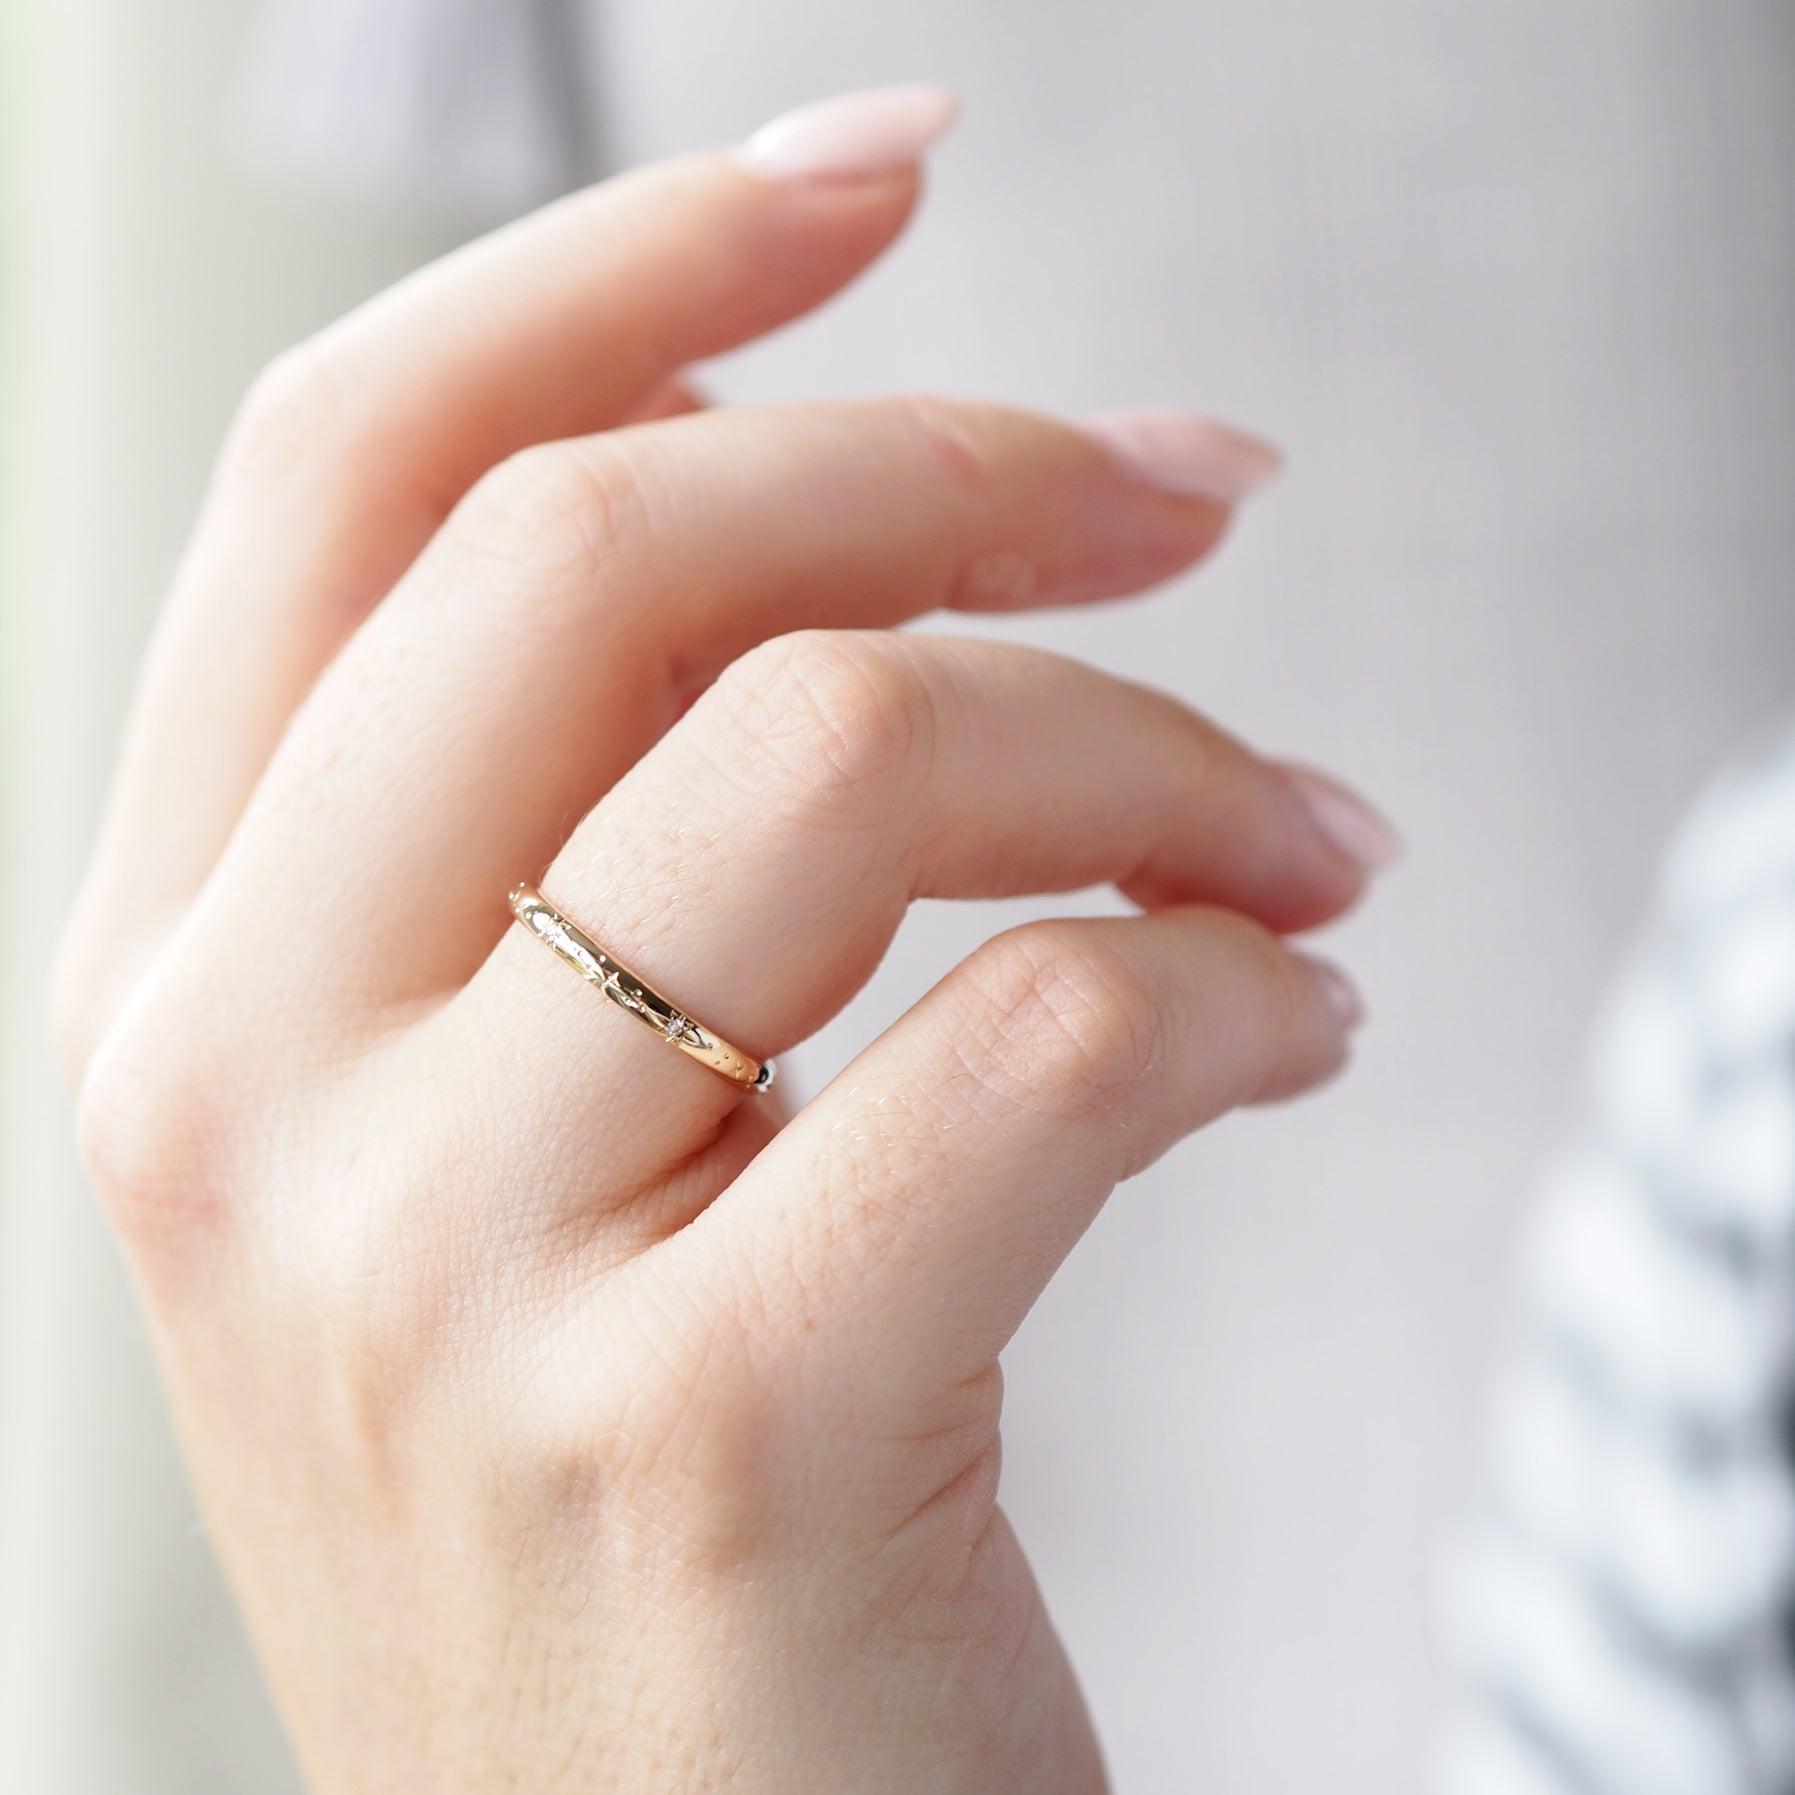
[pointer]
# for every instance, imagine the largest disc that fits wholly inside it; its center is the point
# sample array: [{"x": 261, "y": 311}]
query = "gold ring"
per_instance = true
[{"x": 634, "y": 994}]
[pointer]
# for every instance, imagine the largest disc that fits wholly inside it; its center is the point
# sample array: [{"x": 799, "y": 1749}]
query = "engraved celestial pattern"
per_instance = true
[{"x": 630, "y": 993}]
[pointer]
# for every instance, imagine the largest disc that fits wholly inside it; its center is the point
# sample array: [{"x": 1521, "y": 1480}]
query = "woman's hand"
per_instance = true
[{"x": 565, "y": 1419}]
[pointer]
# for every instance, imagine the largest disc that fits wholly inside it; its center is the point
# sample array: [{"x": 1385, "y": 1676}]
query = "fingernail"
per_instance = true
[
  {"x": 1365, "y": 836},
  {"x": 854, "y": 137},
  {"x": 1188, "y": 454},
  {"x": 1338, "y": 991}
]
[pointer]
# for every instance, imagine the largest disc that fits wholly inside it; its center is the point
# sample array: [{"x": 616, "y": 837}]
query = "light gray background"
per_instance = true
[{"x": 1513, "y": 284}]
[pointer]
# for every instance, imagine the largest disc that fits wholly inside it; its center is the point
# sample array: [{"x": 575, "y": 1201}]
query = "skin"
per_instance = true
[{"x": 564, "y": 1419}]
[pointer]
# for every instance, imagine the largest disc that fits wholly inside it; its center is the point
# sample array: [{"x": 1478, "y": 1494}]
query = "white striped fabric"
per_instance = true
[{"x": 1624, "y": 1607}]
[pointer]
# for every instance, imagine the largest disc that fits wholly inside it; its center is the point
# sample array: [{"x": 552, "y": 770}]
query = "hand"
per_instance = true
[{"x": 564, "y": 1418}]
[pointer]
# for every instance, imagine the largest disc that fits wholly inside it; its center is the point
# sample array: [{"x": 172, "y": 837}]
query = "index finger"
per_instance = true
[{"x": 355, "y": 446}]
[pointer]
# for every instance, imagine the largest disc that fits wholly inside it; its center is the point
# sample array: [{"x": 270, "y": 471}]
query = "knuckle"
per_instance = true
[
  {"x": 1065, "y": 1020},
  {"x": 294, "y": 407},
  {"x": 147, "y": 1133},
  {"x": 837, "y": 718},
  {"x": 556, "y": 514}
]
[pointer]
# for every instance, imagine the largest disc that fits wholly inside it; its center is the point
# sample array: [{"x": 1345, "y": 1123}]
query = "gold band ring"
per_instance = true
[{"x": 633, "y": 994}]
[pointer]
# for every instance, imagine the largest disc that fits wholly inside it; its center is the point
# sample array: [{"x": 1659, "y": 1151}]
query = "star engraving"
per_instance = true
[{"x": 673, "y": 1026}]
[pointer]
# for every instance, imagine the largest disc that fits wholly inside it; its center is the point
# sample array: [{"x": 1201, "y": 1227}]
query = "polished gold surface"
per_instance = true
[{"x": 633, "y": 994}]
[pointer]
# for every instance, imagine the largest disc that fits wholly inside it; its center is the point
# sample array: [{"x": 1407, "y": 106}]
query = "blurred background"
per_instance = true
[{"x": 1513, "y": 285}]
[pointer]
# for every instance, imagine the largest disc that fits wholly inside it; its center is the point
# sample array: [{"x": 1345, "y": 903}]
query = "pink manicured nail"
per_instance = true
[
  {"x": 1341, "y": 994},
  {"x": 1187, "y": 454},
  {"x": 855, "y": 137},
  {"x": 1364, "y": 835}
]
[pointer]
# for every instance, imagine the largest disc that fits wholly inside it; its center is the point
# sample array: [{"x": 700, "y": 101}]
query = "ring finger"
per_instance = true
[{"x": 757, "y": 864}]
